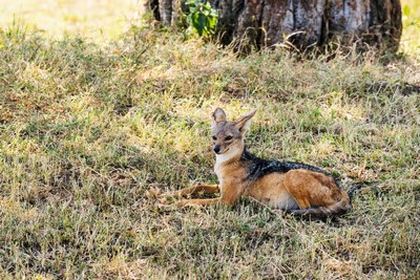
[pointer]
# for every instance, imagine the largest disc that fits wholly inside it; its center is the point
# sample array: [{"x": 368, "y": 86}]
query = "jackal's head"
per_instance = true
[{"x": 228, "y": 136}]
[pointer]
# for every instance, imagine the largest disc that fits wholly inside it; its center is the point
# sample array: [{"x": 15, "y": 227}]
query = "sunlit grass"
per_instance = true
[
  {"x": 410, "y": 41},
  {"x": 97, "y": 19}
]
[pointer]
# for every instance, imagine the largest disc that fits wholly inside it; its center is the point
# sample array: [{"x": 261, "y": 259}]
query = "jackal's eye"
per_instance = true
[
  {"x": 228, "y": 138},
  {"x": 214, "y": 138}
]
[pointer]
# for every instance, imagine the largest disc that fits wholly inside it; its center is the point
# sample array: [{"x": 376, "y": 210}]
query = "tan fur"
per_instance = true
[{"x": 299, "y": 190}]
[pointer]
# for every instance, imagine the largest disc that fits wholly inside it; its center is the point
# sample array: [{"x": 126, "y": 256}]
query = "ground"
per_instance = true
[{"x": 89, "y": 123}]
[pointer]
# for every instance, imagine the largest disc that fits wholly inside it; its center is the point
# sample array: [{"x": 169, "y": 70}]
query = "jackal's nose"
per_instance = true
[{"x": 216, "y": 149}]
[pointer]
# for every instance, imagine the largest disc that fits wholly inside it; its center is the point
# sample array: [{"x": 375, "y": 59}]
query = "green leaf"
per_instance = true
[{"x": 201, "y": 17}]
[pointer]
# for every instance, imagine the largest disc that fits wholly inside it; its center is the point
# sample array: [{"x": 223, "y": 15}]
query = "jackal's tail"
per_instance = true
[{"x": 357, "y": 186}]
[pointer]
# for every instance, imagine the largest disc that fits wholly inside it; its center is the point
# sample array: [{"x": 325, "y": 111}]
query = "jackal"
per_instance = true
[{"x": 291, "y": 186}]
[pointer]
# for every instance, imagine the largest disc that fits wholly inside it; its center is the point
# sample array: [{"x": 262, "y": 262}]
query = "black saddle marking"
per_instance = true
[{"x": 258, "y": 167}]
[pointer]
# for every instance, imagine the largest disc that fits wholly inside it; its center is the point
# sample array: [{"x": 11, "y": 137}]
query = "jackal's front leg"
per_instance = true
[
  {"x": 198, "y": 188},
  {"x": 228, "y": 197},
  {"x": 197, "y": 202}
]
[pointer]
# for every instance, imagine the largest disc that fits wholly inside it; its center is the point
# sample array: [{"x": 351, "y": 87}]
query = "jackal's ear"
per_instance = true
[
  {"x": 244, "y": 122},
  {"x": 219, "y": 115}
]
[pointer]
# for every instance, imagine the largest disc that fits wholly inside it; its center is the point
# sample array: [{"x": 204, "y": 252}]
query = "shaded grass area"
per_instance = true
[{"x": 86, "y": 130}]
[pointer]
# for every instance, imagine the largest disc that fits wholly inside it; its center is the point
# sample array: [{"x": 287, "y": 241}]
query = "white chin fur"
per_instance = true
[{"x": 231, "y": 153}]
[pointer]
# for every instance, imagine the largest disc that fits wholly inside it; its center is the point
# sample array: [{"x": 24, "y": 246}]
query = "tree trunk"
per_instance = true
[{"x": 299, "y": 23}]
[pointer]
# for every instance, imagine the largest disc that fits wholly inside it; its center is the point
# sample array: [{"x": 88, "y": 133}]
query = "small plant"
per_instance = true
[{"x": 201, "y": 18}]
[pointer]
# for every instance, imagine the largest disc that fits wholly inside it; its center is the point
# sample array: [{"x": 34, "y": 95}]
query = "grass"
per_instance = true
[
  {"x": 87, "y": 128},
  {"x": 100, "y": 21},
  {"x": 410, "y": 41}
]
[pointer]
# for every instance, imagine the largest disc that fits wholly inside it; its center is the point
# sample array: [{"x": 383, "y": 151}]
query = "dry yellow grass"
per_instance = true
[{"x": 100, "y": 20}]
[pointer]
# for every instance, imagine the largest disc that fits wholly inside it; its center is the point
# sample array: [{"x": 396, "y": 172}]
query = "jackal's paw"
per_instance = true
[
  {"x": 168, "y": 194},
  {"x": 186, "y": 203}
]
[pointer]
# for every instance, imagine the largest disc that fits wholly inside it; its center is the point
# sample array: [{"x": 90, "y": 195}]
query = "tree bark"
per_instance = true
[{"x": 299, "y": 23}]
